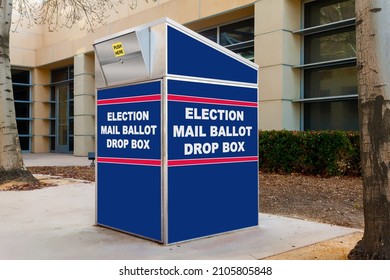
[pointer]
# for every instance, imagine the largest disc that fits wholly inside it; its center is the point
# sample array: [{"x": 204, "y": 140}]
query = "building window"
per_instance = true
[
  {"x": 330, "y": 45},
  {"x": 330, "y": 82},
  {"x": 21, "y": 85},
  {"x": 62, "y": 110},
  {"x": 329, "y": 98},
  {"x": 322, "y": 12},
  {"x": 335, "y": 115},
  {"x": 237, "y": 37}
]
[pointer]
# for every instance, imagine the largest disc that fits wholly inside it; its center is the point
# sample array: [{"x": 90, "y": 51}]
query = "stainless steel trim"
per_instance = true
[
  {"x": 214, "y": 235},
  {"x": 124, "y": 32},
  {"x": 258, "y": 154},
  {"x": 130, "y": 233},
  {"x": 326, "y": 63},
  {"x": 325, "y": 98},
  {"x": 164, "y": 169},
  {"x": 213, "y": 81},
  {"x": 326, "y": 27},
  {"x": 96, "y": 164}
]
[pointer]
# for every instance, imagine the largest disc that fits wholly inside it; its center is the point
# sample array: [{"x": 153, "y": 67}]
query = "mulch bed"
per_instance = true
[
  {"x": 333, "y": 200},
  {"x": 86, "y": 173}
]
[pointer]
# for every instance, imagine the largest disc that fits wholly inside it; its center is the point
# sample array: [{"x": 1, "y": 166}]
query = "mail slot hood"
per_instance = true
[{"x": 130, "y": 56}]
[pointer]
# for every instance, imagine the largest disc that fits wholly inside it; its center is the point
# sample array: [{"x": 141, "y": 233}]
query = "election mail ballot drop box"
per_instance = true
[{"x": 177, "y": 141}]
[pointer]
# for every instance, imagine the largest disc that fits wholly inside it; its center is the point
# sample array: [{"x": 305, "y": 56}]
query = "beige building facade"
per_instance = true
[{"x": 305, "y": 51}]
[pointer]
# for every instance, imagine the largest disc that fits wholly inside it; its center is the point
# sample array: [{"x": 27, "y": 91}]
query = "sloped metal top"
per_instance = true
[{"x": 165, "y": 47}]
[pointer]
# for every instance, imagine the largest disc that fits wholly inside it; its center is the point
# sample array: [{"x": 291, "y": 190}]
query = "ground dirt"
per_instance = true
[
  {"x": 17, "y": 177},
  {"x": 332, "y": 200}
]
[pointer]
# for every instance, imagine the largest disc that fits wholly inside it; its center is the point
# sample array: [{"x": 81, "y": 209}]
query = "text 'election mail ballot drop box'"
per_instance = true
[{"x": 177, "y": 146}]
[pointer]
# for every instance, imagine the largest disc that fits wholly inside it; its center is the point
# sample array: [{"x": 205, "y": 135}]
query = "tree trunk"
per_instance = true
[
  {"x": 373, "y": 39},
  {"x": 11, "y": 161}
]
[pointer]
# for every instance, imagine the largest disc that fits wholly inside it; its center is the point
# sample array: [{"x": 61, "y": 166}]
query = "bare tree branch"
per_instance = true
[
  {"x": 56, "y": 14},
  {"x": 134, "y": 3}
]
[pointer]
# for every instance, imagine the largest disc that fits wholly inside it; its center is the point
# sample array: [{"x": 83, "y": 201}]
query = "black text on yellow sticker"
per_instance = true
[{"x": 118, "y": 49}]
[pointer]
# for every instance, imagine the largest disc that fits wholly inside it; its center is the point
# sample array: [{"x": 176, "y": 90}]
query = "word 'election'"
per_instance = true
[
  {"x": 128, "y": 116},
  {"x": 213, "y": 114}
]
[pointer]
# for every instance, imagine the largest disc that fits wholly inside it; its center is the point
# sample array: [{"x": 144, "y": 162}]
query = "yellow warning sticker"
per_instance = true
[{"x": 118, "y": 49}]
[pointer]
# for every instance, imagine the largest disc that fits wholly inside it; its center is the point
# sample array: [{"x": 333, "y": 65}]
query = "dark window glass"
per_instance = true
[
  {"x": 330, "y": 81},
  {"x": 24, "y": 143},
  {"x": 22, "y": 110},
  {"x": 71, "y": 91},
  {"x": 23, "y": 127},
  {"x": 71, "y": 126},
  {"x": 248, "y": 53},
  {"x": 20, "y": 76},
  {"x": 22, "y": 106},
  {"x": 211, "y": 34},
  {"x": 52, "y": 110},
  {"x": 331, "y": 45},
  {"x": 21, "y": 93},
  {"x": 324, "y": 12},
  {"x": 237, "y": 37},
  {"x": 62, "y": 74},
  {"x": 238, "y": 32},
  {"x": 53, "y": 94},
  {"x": 334, "y": 115},
  {"x": 71, "y": 108},
  {"x": 71, "y": 144},
  {"x": 71, "y": 72},
  {"x": 52, "y": 127},
  {"x": 52, "y": 143},
  {"x": 326, "y": 82},
  {"x": 59, "y": 75}
]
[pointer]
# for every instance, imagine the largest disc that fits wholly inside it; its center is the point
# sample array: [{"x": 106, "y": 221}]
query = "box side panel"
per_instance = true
[
  {"x": 212, "y": 159},
  {"x": 129, "y": 159},
  {"x": 129, "y": 199},
  {"x": 211, "y": 199}
]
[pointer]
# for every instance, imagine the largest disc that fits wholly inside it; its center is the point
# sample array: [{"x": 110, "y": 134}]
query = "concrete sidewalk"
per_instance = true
[
  {"x": 58, "y": 223},
  {"x": 54, "y": 159}
]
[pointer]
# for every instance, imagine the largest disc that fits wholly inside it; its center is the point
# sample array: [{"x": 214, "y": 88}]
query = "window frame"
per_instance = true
[
  {"x": 303, "y": 66},
  {"x": 232, "y": 47},
  {"x": 69, "y": 81},
  {"x": 29, "y": 118}
]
